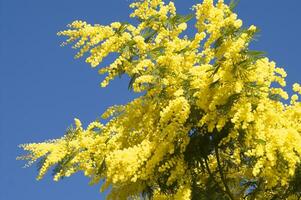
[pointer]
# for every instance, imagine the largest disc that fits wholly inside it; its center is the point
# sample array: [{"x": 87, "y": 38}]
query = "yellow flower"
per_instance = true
[{"x": 206, "y": 103}]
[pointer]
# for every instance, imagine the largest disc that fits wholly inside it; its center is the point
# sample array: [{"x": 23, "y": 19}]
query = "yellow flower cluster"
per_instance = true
[{"x": 208, "y": 104}]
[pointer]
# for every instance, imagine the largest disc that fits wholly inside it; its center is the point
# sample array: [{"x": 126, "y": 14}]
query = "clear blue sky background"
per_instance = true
[{"x": 43, "y": 88}]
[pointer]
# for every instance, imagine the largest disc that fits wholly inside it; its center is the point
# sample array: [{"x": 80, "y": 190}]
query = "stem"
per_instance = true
[
  {"x": 228, "y": 192},
  {"x": 210, "y": 174}
]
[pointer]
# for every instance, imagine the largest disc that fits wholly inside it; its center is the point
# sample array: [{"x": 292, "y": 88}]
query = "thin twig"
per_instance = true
[
  {"x": 228, "y": 192},
  {"x": 210, "y": 174}
]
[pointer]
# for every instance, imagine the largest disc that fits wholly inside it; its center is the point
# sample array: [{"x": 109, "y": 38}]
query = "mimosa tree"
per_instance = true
[{"x": 212, "y": 120}]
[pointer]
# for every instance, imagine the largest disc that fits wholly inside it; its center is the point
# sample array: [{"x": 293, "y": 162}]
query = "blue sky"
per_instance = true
[{"x": 42, "y": 88}]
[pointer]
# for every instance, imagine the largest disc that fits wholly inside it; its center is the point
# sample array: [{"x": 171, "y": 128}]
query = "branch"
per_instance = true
[
  {"x": 211, "y": 175},
  {"x": 228, "y": 192}
]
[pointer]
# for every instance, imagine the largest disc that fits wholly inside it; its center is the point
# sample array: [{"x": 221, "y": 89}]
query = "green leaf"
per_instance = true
[
  {"x": 256, "y": 54},
  {"x": 41, "y": 162},
  {"x": 133, "y": 78},
  {"x": 260, "y": 141},
  {"x": 227, "y": 106},
  {"x": 148, "y": 34},
  {"x": 275, "y": 97},
  {"x": 214, "y": 84},
  {"x": 156, "y": 52},
  {"x": 185, "y": 18},
  {"x": 233, "y": 4},
  {"x": 178, "y": 19}
]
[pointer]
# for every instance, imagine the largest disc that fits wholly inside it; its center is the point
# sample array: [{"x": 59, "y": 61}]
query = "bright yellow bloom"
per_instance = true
[{"x": 209, "y": 111}]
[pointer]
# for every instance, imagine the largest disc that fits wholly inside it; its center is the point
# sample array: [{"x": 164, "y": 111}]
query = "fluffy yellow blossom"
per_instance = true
[
  {"x": 210, "y": 120},
  {"x": 297, "y": 88}
]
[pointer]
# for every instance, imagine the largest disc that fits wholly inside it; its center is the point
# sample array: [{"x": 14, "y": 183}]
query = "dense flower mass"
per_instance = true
[{"x": 212, "y": 120}]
